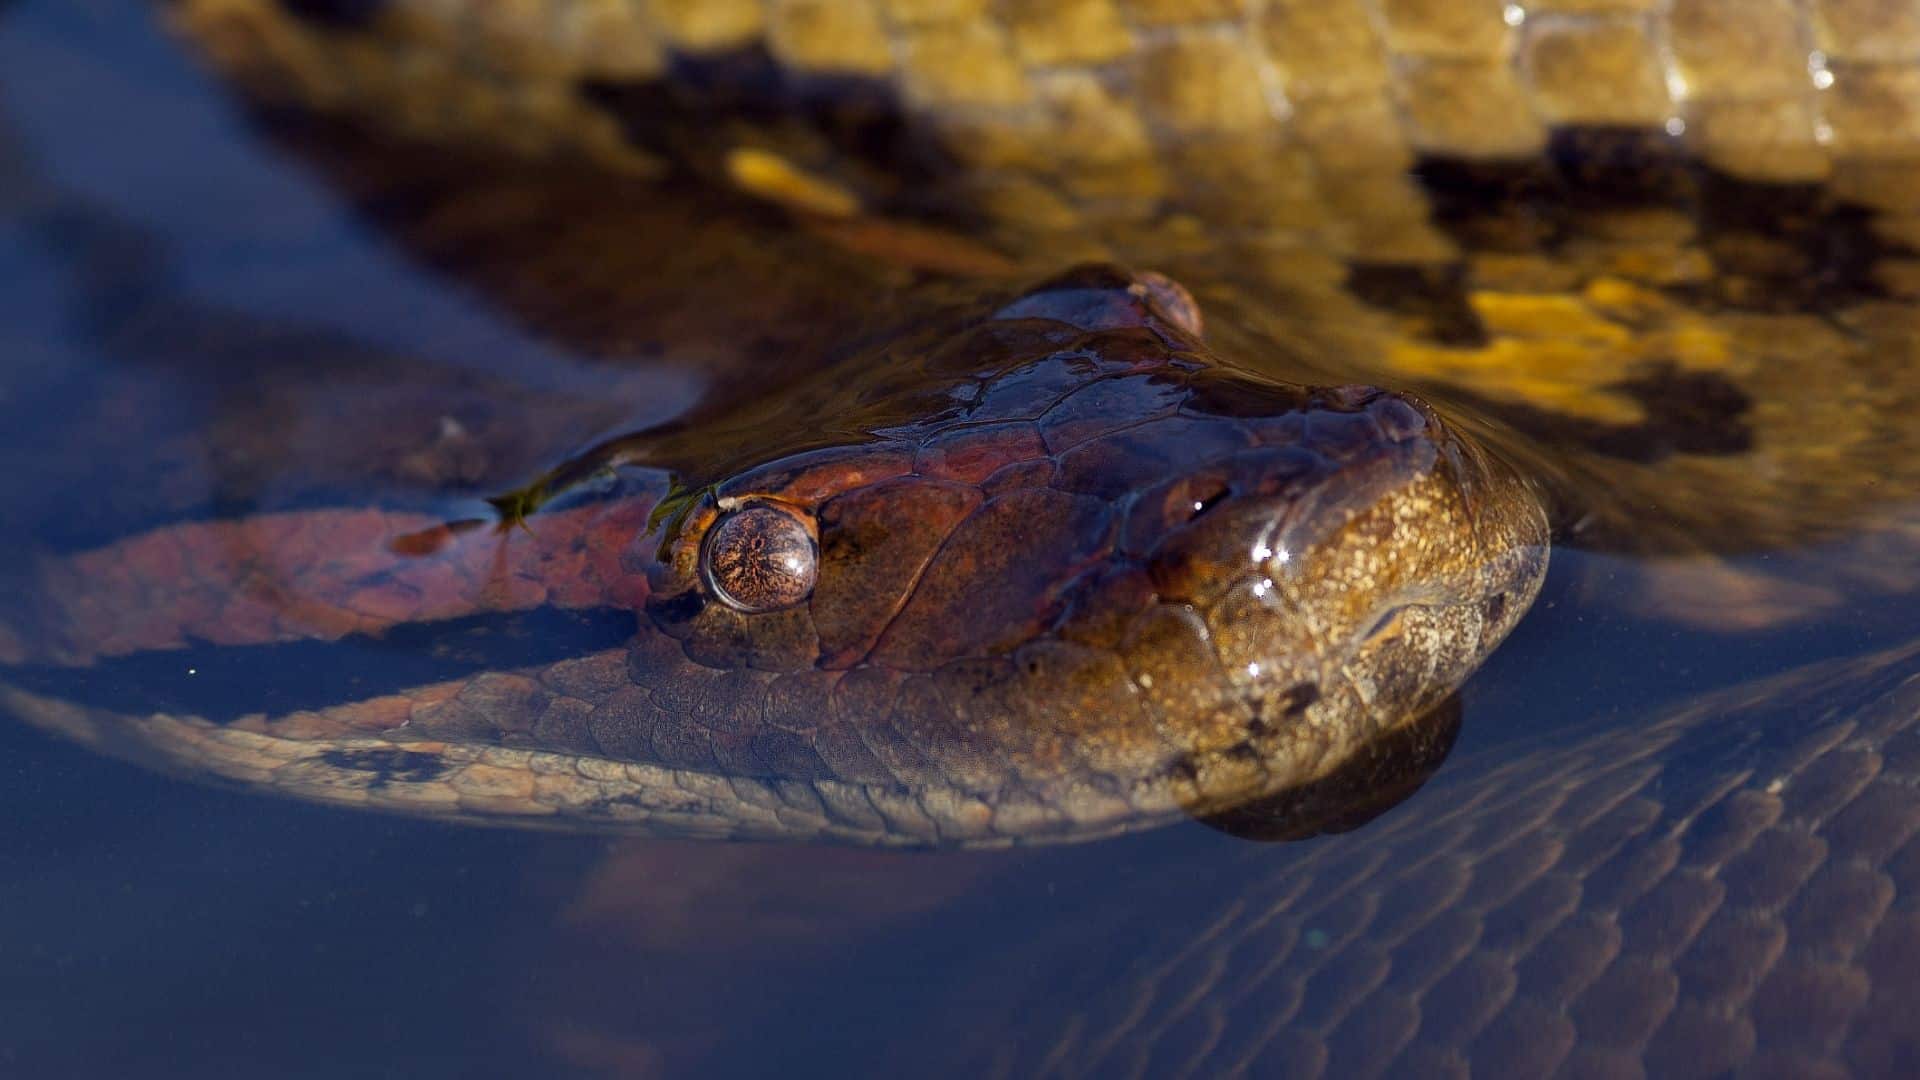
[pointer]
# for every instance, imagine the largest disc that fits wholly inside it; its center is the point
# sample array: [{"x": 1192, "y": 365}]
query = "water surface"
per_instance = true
[{"x": 157, "y": 927}]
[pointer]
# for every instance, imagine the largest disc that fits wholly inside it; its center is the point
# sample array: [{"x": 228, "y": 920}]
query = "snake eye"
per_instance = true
[{"x": 761, "y": 558}]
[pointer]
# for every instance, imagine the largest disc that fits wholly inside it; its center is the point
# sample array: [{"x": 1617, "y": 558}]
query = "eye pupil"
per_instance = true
[{"x": 761, "y": 558}]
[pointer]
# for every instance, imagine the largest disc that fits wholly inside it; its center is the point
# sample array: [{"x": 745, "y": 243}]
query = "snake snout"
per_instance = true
[
  {"x": 1263, "y": 511},
  {"x": 1332, "y": 582}
]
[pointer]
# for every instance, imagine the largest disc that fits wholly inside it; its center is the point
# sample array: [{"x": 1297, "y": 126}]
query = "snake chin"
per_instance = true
[{"x": 1362, "y": 788}]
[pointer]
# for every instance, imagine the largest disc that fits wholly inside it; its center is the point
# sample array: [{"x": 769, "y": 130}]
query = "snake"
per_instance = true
[
  {"x": 801, "y": 612},
  {"x": 976, "y": 571}
]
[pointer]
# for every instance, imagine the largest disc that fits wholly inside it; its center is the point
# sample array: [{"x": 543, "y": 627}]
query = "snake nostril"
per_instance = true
[{"x": 1206, "y": 499}]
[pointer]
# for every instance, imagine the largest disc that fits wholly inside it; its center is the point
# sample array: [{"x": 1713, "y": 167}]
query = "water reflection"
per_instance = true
[{"x": 1594, "y": 874}]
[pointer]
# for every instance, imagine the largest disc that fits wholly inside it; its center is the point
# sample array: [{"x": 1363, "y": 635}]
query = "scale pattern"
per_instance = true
[
  {"x": 1732, "y": 890},
  {"x": 1302, "y": 116}
]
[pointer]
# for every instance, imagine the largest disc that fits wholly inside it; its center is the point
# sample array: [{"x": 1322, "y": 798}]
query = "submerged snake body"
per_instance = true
[{"x": 1724, "y": 889}]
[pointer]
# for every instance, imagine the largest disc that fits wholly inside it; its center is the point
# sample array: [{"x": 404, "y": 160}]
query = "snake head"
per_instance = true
[{"x": 1112, "y": 576}]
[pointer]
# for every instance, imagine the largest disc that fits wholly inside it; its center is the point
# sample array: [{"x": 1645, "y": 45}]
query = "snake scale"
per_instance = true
[{"x": 1656, "y": 255}]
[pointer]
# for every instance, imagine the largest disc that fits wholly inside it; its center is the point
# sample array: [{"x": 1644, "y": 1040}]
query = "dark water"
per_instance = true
[{"x": 155, "y": 927}]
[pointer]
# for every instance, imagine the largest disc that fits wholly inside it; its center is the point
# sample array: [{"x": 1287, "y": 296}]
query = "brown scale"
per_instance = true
[{"x": 1639, "y": 249}]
